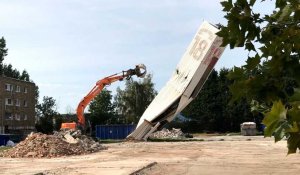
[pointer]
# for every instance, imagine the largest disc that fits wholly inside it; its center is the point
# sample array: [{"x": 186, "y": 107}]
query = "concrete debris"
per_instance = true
[
  {"x": 40, "y": 145},
  {"x": 70, "y": 139},
  {"x": 165, "y": 133}
]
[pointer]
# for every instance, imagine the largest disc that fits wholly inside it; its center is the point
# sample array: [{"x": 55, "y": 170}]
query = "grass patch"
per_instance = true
[
  {"x": 108, "y": 141},
  {"x": 2, "y": 148}
]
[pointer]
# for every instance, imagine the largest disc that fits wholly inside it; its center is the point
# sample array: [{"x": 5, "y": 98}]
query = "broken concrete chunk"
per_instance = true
[
  {"x": 31, "y": 154},
  {"x": 53, "y": 151},
  {"x": 70, "y": 139}
]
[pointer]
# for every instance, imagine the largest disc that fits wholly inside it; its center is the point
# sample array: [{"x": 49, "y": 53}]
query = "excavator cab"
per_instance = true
[{"x": 68, "y": 125}]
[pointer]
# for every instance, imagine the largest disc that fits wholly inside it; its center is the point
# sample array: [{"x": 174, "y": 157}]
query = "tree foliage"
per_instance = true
[
  {"x": 101, "y": 109},
  {"x": 134, "y": 99},
  {"x": 3, "y": 50},
  {"x": 24, "y": 76},
  {"x": 48, "y": 117},
  {"x": 271, "y": 76}
]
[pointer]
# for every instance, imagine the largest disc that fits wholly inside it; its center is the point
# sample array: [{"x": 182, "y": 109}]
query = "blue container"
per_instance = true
[
  {"x": 3, "y": 139},
  {"x": 116, "y": 132}
]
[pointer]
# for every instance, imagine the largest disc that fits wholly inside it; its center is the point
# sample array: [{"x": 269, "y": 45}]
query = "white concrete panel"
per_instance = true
[{"x": 200, "y": 50}]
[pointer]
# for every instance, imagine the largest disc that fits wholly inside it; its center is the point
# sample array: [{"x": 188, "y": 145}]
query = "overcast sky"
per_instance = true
[{"x": 67, "y": 45}]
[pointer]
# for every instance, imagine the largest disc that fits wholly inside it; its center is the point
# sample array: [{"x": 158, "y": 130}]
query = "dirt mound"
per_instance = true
[{"x": 59, "y": 144}]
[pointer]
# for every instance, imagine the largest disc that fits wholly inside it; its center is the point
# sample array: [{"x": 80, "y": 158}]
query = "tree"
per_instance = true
[
  {"x": 271, "y": 76},
  {"x": 201, "y": 108},
  {"x": 211, "y": 111},
  {"x": 3, "y": 50},
  {"x": 24, "y": 76},
  {"x": 9, "y": 71},
  {"x": 101, "y": 109},
  {"x": 134, "y": 99},
  {"x": 46, "y": 113}
]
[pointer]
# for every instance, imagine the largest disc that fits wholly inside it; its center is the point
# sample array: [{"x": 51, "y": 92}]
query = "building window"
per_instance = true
[
  {"x": 8, "y": 101},
  {"x": 17, "y": 102},
  {"x": 8, "y": 87},
  {"x": 17, "y": 117},
  {"x": 25, "y": 90},
  {"x": 18, "y": 89},
  {"x": 25, "y": 103},
  {"x": 25, "y": 117},
  {"x": 8, "y": 116}
]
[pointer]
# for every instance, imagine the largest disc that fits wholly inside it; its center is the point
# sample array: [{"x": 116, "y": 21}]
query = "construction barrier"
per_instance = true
[{"x": 116, "y": 132}]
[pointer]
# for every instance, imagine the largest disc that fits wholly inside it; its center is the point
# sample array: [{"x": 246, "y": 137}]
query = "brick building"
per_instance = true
[{"x": 17, "y": 106}]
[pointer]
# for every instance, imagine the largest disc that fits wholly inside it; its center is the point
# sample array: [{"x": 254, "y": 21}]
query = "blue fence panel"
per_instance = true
[
  {"x": 3, "y": 139},
  {"x": 113, "y": 131}
]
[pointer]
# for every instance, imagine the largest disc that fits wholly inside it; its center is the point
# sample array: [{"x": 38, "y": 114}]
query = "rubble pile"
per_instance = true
[
  {"x": 59, "y": 144},
  {"x": 165, "y": 133}
]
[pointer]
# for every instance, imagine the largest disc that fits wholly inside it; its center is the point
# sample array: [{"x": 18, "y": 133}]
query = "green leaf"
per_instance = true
[
  {"x": 293, "y": 143},
  {"x": 272, "y": 118},
  {"x": 294, "y": 112},
  {"x": 286, "y": 12},
  {"x": 227, "y": 5},
  {"x": 297, "y": 15},
  {"x": 269, "y": 130},
  {"x": 279, "y": 133},
  {"x": 252, "y": 2},
  {"x": 241, "y": 3},
  {"x": 252, "y": 62},
  {"x": 249, "y": 46},
  {"x": 293, "y": 128},
  {"x": 280, "y": 3},
  {"x": 256, "y": 107},
  {"x": 224, "y": 34},
  {"x": 236, "y": 74}
]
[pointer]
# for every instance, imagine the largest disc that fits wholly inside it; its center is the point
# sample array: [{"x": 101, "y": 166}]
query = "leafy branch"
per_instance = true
[{"x": 271, "y": 76}]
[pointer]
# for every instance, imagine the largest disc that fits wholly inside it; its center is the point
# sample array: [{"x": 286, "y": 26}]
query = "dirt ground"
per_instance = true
[{"x": 215, "y": 155}]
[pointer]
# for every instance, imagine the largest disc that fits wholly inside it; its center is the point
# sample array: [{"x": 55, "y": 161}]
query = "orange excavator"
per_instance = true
[{"x": 139, "y": 71}]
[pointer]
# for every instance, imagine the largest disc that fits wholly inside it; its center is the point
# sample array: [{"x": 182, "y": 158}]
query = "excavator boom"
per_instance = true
[{"x": 139, "y": 71}]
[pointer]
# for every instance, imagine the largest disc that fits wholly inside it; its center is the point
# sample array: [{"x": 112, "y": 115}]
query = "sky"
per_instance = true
[{"x": 68, "y": 45}]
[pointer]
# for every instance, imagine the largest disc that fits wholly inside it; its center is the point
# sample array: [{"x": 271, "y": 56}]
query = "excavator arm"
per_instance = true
[{"x": 139, "y": 71}]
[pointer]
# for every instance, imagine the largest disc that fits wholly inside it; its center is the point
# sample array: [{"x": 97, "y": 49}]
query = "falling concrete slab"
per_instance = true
[{"x": 185, "y": 83}]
